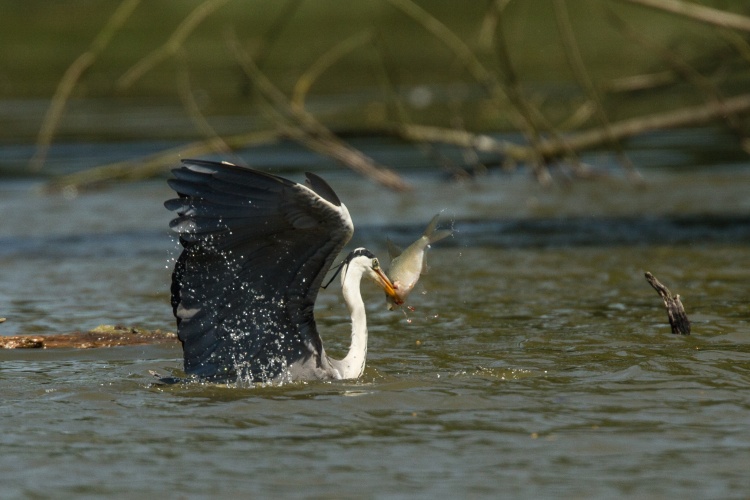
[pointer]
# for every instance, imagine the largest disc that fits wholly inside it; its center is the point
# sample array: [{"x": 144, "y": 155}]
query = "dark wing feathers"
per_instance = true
[
  {"x": 256, "y": 250},
  {"x": 321, "y": 187}
]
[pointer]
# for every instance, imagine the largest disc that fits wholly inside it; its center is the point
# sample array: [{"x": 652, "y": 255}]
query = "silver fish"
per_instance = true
[{"x": 407, "y": 265}]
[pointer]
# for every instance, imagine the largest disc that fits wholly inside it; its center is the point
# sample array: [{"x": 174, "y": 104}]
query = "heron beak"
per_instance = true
[{"x": 387, "y": 286}]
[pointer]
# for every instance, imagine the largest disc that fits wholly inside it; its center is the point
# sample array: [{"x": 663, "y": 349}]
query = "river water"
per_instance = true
[{"x": 537, "y": 362}]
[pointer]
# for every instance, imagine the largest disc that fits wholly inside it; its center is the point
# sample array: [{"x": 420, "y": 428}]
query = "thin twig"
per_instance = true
[
  {"x": 641, "y": 82},
  {"x": 489, "y": 24},
  {"x": 331, "y": 57},
  {"x": 521, "y": 111},
  {"x": 71, "y": 77},
  {"x": 577, "y": 65},
  {"x": 172, "y": 45},
  {"x": 688, "y": 116},
  {"x": 700, "y": 13},
  {"x": 684, "y": 117},
  {"x": 739, "y": 42},
  {"x": 385, "y": 76},
  {"x": 680, "y": 67},
  {"x": 275, "y": 30},
  {"x": 306, "y": 129},
  {"x": 529, "y": 118},
  {"x": 463, "y": 52},
  {"x": 158, "y": 163},
  {"x": 194, "y": 112}
]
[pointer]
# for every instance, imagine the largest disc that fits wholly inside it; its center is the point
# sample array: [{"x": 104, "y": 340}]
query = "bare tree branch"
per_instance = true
[
  {"x": 72, "y": 76},
  {"x": 172, "y": 45},
  {"x": 700, "y": 13}
]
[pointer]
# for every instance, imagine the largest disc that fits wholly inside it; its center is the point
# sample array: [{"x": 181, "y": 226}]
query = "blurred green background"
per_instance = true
[{"x": 379, "y": 62}]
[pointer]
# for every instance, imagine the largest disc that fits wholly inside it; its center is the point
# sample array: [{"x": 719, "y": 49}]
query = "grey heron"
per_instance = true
[{"x": 256, "y": 248}]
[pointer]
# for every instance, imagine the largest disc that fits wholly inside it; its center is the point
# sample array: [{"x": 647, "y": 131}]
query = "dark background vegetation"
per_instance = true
[{"x": 378, "y": 67}]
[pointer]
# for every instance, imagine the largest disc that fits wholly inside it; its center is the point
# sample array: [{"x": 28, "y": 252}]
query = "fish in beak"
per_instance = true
[
  {"x": 385, "y": 283},
  {"x": 408, "y": 265}
]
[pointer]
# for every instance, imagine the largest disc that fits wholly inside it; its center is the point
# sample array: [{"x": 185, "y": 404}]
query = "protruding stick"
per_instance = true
[{"x": 678, "y": 319}]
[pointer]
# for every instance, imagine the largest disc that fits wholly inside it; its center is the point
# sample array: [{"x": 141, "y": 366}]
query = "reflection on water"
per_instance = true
[{"x": 537, "y": 361}]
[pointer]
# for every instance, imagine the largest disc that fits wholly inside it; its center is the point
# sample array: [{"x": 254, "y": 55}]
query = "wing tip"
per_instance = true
[{"x": 322, "y": 188}]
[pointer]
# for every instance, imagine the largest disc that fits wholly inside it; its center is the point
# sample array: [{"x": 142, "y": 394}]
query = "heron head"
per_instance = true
[{"x": 370, "y": 268}]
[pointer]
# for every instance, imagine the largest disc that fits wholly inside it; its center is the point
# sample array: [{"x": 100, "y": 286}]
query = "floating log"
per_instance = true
[
  {"x": 678, "y": 319},
  {"x": 101, "y": 336}
]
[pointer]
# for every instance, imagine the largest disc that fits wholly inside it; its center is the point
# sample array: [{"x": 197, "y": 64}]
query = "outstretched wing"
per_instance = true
[{"x": 256, "y": 250}]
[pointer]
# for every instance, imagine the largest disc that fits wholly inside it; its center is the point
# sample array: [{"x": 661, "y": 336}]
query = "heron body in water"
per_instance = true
[{"x": 256, "y": 248}]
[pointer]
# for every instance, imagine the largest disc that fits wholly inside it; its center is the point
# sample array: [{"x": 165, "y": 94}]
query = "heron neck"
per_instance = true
[{"x": 353, "y": 364}]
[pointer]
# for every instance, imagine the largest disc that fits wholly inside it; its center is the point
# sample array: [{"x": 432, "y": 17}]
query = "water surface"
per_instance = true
[{"x": 537, "y": 361}]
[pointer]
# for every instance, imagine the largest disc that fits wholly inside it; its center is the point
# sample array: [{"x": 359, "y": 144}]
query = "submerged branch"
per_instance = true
[{"x": 678, "y": 319}]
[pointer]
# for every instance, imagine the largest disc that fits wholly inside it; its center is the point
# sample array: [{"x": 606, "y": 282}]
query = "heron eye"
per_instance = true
[{"x": 375, "y": 264}]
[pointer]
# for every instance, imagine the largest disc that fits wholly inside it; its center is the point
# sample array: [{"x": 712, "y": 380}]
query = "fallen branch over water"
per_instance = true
[
  {"x": 590, "y": 139},
  {"x": 701, "y": 13},
  {"x": 678, "y": 319},
  {"x": 304, "y": 128},
  {"x": 101, "y": 336},
  {"x": 158, "y": 163}
]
